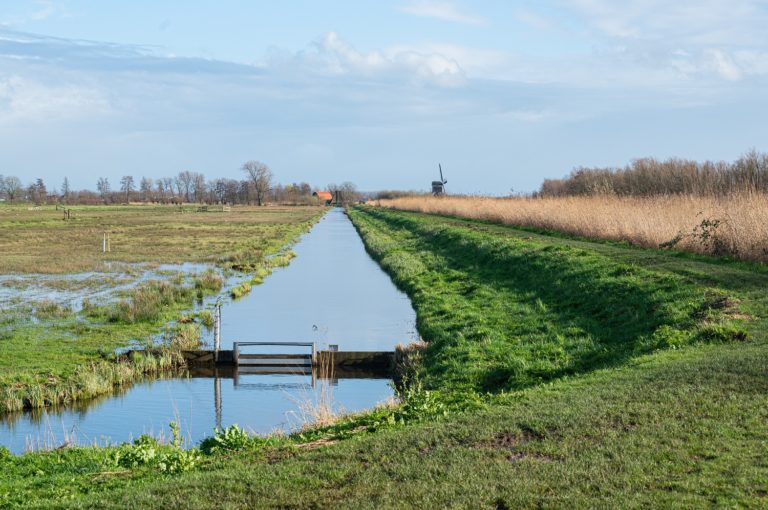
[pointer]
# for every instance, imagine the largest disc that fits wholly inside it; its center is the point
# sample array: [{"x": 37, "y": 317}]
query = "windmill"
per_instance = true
[{"x": 438, "y": 187}]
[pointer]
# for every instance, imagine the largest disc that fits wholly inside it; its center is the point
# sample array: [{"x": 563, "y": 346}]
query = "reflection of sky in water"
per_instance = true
[
  {"x": 332, "y": 293},
  {"x": 259, "y": 403}
]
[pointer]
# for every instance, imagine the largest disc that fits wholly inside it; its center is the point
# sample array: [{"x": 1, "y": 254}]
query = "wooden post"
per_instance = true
[
  {"x": 104, "y": 243},
  {"x": 217, "y": 330}
]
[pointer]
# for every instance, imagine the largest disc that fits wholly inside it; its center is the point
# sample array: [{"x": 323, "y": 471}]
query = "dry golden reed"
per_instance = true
[{"x": 734, "y": 225}]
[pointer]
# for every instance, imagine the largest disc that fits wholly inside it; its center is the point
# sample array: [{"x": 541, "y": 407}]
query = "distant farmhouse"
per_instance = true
[{"x": 325, "y": 196}]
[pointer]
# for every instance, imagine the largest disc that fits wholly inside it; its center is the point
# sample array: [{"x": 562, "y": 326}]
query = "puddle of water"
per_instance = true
[
  {"x": 332, "y": 293},
  {"x": 72, "y": 289}
]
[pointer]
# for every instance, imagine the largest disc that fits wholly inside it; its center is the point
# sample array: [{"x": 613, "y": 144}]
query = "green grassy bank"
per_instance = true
[{"x": 559, "y": 373}]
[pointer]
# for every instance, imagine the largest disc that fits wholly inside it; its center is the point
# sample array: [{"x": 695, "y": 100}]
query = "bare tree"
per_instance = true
[
  {"x": 160, "y": 186},
  {"x": 103, "y": 188},
  {"x": 168, "y": 185},
  {"x": 127, "y": 186},
  {"x": 10, "y": 186},
  {"x": 185, "y": 184},
  {"x": 261, "y": 178},
  {"x": 145, "y": 187},
  {"x": 198, "y": 186}
]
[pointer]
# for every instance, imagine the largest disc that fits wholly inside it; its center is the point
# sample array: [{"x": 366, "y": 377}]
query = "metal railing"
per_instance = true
[{"x": 275, "y": 359}]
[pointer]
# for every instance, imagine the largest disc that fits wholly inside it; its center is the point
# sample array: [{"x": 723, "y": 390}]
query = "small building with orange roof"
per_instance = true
[{"x": 325, "y": 196}]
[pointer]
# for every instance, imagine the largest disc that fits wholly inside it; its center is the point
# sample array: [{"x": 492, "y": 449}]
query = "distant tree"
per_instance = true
[
  {"x": 103, "y": 188},
  {"x": 346, "y": 192},
  {"x": 261, "y": 178},
  {"x": 65, "y": 190},
  {"x": 10, "y": 186},
  {"x": 185, "y": 184},
  {"x": 37, "y": 191},
  {"x": 145, "y": 188},
  {"x": 198, "y": 186},
  {"x": 231, "y": 189},
  {"x": 127, "y": 186},
  {"x": 161, "y": 191},
  {"x": 305, "y": 189},
  {"x": 168, "y": 185}
]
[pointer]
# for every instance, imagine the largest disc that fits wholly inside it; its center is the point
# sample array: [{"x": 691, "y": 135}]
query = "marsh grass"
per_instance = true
[
  {"x": 259, "y": 272},
  {"x": 183, "y": 337},
  {"x": 93, "y": 379},
  {"x": 317, "y": 409},
  {"x": 48, "y": 309},
  {"x": 733, "y": 225},
  {"x": 209, "y": 281},
  {"x": 240, "y": 290}
]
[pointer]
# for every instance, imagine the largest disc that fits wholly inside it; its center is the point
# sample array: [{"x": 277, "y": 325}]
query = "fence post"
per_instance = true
[{"x": 217, "y": 330}]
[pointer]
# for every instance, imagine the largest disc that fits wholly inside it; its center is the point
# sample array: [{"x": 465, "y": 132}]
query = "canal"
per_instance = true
[{"x": 331, "y": 293}]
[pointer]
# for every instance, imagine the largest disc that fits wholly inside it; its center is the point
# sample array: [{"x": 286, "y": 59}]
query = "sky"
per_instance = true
[{"x": 502, "y": 93}]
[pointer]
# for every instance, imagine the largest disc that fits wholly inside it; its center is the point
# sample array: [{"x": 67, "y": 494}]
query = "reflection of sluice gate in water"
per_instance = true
[{"x": 245, "y": 378}]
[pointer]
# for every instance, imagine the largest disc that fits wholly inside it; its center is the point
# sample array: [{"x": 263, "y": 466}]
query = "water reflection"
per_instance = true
[
  {"x": 332, "y": 293},
  {"x": 200, "y": 401}
]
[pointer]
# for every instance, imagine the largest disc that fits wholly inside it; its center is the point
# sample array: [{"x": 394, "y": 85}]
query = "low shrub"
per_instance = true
[
  {"x": 230, "y": 439},
  {"x": 146, "y": 452}
]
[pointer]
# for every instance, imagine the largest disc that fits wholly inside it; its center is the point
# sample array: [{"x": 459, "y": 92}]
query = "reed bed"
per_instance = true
[{"x": 735, "y": 225}]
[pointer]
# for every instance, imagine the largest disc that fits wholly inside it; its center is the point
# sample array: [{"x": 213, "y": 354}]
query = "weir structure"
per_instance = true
[{"x": 282, "y": 362}]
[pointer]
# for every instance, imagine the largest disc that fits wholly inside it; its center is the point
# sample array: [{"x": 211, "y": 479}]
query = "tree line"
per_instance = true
[
  {"x": 650, "y": 177},
  {"x": 257, "y": 187}
]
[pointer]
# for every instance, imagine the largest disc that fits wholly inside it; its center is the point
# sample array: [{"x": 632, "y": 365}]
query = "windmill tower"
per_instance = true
[{"x": 438, "y": 187}]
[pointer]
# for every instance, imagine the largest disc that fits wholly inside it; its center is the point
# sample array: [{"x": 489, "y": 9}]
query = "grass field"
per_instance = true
[
  {"x": 51, "y": 352},
  {"x": 731, "y": 225},
  {"x": 559, "y": 372},
  {"x": 40, "y": 241}
]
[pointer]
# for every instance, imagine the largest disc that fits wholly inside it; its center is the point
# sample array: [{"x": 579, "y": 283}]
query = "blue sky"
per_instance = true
[{"x": 502, "y": 93}]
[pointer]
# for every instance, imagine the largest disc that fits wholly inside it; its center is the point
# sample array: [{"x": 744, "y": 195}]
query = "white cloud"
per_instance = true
[
  {"x": 441, "y": 9},
  {"x": 724, "y": 65},
  {"x": 695, "y": 21},
  {"x": 46, "y": 10},
  {"x": 28, "y": 100},
  {"x": 334, "y": 56},
  {"x": 476, "y": 62},
  {"x": 722, "y": 39}
]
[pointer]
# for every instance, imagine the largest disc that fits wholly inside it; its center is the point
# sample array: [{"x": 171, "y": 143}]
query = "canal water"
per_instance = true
[{"x": 331, "y": 293}]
